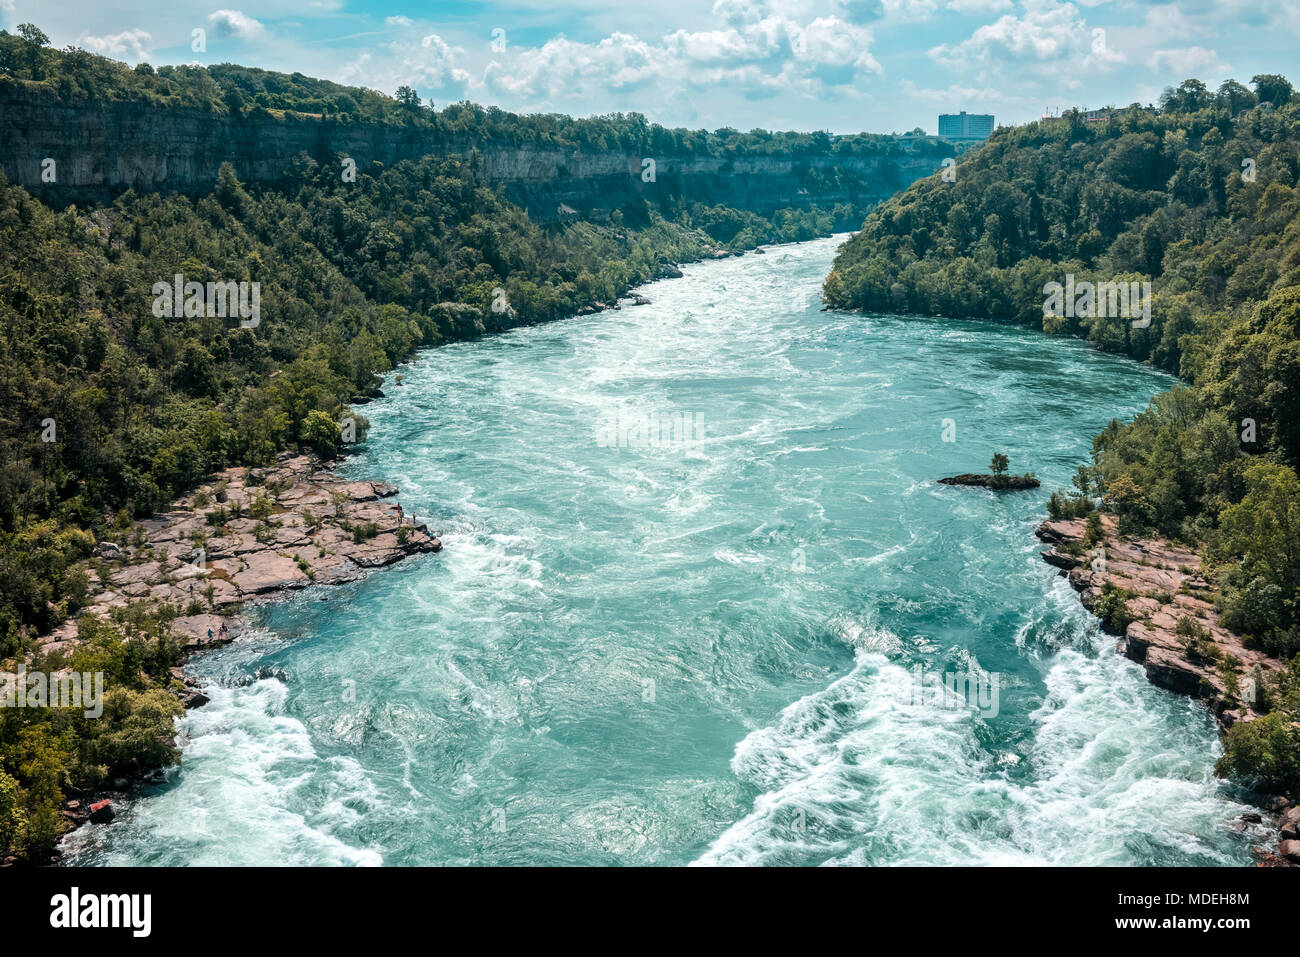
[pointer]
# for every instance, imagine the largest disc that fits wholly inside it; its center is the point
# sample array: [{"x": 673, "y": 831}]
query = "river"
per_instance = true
[{"x": 704, "y": 649}]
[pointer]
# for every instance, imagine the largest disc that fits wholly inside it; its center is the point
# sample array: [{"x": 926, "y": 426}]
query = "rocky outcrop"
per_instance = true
[
  {"x": 103, "y": 147},
  {"x": 246, "y": 535},
  {"x": 1162, "y": 586},
  {"x": 999, "y": 483},
  {"x": 1169, "y": 626},
  {"x": 251, "y": 535}
]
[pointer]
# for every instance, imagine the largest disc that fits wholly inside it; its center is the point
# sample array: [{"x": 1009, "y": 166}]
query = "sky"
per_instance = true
[{"x": 840, "y": 65}]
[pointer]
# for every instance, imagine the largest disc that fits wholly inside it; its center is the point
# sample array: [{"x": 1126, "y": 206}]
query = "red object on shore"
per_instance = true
[{"x": 101, "y": 812}]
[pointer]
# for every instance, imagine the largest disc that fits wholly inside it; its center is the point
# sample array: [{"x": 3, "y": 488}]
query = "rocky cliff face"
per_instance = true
[{"x": 101, "y": 148}]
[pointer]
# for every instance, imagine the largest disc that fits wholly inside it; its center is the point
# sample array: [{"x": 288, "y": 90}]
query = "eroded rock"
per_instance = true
[{"x": 257, "y": 535}]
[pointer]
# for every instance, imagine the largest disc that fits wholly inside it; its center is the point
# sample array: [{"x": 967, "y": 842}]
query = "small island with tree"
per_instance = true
[{"x": 997, "y": 479}]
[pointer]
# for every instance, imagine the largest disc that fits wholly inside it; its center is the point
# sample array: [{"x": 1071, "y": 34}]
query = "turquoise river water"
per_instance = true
[{"x": 703, "y": 651}]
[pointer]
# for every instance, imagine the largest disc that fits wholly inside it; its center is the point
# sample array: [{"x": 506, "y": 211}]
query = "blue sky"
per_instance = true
[{"x": 842, "y": 65}]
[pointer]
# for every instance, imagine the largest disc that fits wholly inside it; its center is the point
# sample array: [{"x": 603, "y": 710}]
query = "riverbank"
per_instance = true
[
  {"x": 1152, "y": 595},
  {"x": 253, "y": 536},
  {"x": 247, "y": 536}
]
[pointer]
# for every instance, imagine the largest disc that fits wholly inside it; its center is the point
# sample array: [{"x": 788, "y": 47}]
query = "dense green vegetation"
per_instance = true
[
  {"x": 48, "y": 752},
  {"x": 1140, "y": 196},
  {"x": 108, "y": 411},
  {"x": 1201, "y": 198},
  {"x": 1267, "y": 749}
]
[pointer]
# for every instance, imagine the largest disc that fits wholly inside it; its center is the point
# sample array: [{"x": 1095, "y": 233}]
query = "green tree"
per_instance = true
[
  {"x": 1265, "y": 751},
  {"x": 320, "y": 433},
  {"x": 1263, "y": 532},
  {"x": 13, "y": 817},
  {"x": 229, "y": 191},
  {"x": 1236, "y": 97},
  {"x": 409, "y": 99},
  {"x": 34, "y": 39},
  {"x": 135, "y": 728},
  {"x": 1271, "y": 88}
]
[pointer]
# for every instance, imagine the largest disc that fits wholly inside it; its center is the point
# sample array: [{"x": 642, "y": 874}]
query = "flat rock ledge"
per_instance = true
[
  {"x": 250, "y": 536},
  {"x": 1166, "y": 582}
]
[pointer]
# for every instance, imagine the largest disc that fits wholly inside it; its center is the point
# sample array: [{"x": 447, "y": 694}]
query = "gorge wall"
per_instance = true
[{"x": 101, "y": 148}]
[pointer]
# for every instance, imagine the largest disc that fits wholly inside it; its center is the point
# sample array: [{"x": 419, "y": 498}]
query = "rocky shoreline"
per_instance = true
[
  {"x": 246, "y": 536},
  {"x": 1150, "y": 593}
]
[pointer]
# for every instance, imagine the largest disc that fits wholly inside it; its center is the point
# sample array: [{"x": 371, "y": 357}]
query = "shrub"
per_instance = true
[
  {"x": 1265, "y": 751},
  {"x": 1063, "y": 506},
  {"x": 1112, "y": 609},
  {"x": 135, "y": 731},
  {"x": 1092, "y": 530}
]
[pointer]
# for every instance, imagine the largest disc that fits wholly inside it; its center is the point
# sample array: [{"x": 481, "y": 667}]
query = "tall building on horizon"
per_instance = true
[{"x": 965, "y": 126}]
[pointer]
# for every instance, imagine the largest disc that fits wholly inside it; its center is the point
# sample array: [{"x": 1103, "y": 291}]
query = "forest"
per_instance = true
[{"x": 1200, "y": 198}]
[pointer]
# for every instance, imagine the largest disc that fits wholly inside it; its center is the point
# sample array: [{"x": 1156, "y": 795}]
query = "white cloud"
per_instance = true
[
  {"x": 1048, "y": 32},
  {"x": 830, "y": 42},
  {"x": 762, "y": 57},
  {"x": 398, "y": 22},
  {"x": 1188, "y": 61},
  {"x": 908, "y": 10},
  {"x": 914, "y": 11},
  {"x": 1170, "y": 21},
  {"x": 979, "y": 98},
  {"x": 1211, "y": 18},
  {"x": 235, "y": 23},
  {"x": 129, "y": 44},
  {"x": 979, "y": 6},
  {"x": 618, "y": 62},
  {"x": 738, "y": 12},
  {"x": 429, "y": 63}
]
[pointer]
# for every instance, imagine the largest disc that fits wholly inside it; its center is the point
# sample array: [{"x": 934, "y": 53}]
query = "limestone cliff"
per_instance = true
[{"x": 103, "y": 147}]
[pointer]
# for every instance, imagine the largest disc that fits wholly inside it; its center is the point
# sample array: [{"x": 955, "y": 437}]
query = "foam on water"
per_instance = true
[
  {"x": 705, "y": 654},
  {"x": 862, "y": 773},
  {"x": 248, "y": 768}
]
